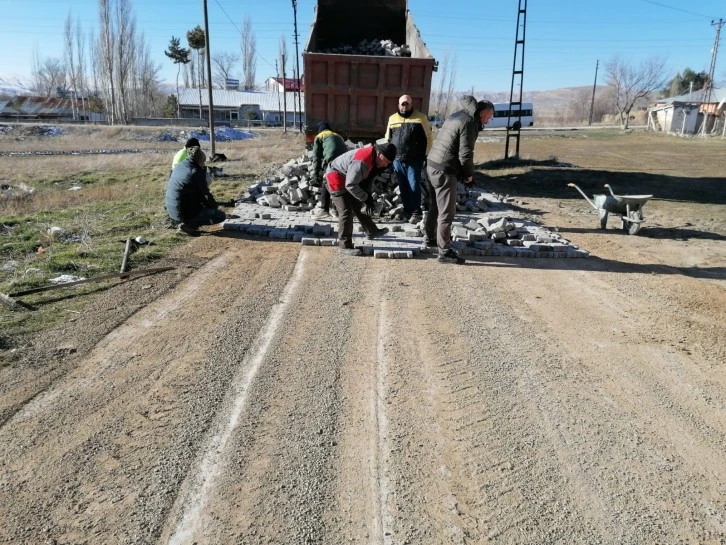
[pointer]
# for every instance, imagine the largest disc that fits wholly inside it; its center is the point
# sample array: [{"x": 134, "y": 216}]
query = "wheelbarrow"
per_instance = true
[{"x": 629, "y": 207}]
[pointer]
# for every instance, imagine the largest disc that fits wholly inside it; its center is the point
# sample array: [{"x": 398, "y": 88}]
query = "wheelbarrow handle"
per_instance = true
[{"x": 583, "y": 194}]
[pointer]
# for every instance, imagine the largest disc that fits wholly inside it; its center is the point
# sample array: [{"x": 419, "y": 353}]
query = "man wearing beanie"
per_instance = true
[
  {"x": 452, "y": 159},
  {"x": 327, "y": 146},
  {"x": 188, "y": 199},
  {"x": 345, "y": 176},
  {"x": 184, "y": 152}
]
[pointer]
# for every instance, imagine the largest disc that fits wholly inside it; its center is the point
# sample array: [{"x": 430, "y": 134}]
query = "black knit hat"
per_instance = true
[
  {"x": 387, "y": 149},
  {"x": 323, "y": 126},
  {"x": 197, "y": 156},
  {"x": 191, "y": 143}
]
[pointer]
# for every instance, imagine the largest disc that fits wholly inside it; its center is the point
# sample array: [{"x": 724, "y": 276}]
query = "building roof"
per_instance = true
[
  {"x": 291, "y": 84},
  {"x": 36, "y": 106},
  {"x": 717, "y": 96},
  {"x": 268, "y": 101}
]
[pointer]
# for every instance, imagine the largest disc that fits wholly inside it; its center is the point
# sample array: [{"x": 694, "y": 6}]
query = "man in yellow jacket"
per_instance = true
[{"x": 410, "y": 132}]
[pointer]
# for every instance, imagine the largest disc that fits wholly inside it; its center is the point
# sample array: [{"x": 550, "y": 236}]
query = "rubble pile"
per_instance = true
[
  {"x": 375, "y": 47},
  {"x": 504, "y": 236},
  {"x": 291, "y": 189}
]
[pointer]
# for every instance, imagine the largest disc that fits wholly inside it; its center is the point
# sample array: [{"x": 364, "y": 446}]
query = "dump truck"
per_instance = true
[{"x": 357, "y": 91}]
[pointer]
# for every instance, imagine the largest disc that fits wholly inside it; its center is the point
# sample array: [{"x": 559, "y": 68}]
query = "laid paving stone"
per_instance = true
[{"x": 490, "y": 233}]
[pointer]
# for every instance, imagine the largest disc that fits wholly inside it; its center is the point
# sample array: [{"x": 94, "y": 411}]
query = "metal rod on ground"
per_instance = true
[
  {"x": 125, "y": 260},
  {"x": 88, "y": 280}
]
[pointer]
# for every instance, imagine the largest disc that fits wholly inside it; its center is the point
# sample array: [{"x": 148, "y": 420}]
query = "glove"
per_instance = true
[{"x": 370, "y": 206}]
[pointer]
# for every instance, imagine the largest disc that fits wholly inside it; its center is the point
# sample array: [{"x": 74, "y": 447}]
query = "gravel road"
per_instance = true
[{"x": 270, "y": 393}]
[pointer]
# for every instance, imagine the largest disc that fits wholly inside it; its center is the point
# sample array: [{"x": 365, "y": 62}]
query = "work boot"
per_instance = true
[
  {"x": 428, "y": 244},
  {"x": 320, "y": 213},
  {"x": 450, "y": 256},
  {"x": 353, "y": 252},
  {"x": 377, "y": 233},
  {"x": 415, "y": 218},
  {"x": 188, "y": 230}
]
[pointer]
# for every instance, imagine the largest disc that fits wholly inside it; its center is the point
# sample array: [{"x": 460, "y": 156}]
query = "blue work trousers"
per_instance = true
[{"x": 408, "y": 174}]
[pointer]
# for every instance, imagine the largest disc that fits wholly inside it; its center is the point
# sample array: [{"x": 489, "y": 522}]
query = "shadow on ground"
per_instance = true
[{"x": 549, "y": 179}]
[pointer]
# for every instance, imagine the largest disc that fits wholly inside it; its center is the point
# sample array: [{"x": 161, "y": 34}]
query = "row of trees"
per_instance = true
[{"x": 114, "y": 66}]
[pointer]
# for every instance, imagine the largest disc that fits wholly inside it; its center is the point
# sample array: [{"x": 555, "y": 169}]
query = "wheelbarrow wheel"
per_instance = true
[{"x": 632, "y": 227}]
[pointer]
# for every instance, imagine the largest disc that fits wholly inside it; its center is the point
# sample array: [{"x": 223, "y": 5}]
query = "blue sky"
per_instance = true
[{"x": 564, "y": 38}]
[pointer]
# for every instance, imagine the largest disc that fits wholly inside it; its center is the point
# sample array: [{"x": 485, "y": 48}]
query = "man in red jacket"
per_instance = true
[{"x": 345, "y": 175}]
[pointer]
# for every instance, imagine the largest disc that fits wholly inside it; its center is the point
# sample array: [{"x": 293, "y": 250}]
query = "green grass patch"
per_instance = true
[{"x": 95, "y": 223}]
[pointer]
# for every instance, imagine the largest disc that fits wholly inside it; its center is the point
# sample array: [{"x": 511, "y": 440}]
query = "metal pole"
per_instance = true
[
  {"x": 209, "y": 82},
  {"x": 297, "y": 65},
  {"x": 592, "y": 102}
]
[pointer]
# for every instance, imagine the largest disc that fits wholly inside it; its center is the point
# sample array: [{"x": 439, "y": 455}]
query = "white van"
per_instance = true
[{"x": 511, "y": 116}]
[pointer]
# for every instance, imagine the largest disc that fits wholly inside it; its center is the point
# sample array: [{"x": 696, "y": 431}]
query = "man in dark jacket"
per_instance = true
[
  {"x": 410, "y": 132},
  {"x": 345, "y": 176},
  {"x": 327, "y": 146},
  {"x": 452, "y": 159},
  {"x": 188, "y": 199}
]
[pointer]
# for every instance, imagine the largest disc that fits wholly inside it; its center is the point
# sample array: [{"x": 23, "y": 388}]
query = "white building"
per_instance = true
[
  {"x": 685, "y": 114},
  {"x": 242, "y": 107}
]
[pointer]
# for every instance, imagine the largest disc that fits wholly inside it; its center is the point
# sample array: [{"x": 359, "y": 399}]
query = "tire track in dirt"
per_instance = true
[
  {"x": 204, "y": 476},
  {"x": 104, "y": 450},
  {"x": 639, "y": 418},
  {"x": 289, "y": 474}
]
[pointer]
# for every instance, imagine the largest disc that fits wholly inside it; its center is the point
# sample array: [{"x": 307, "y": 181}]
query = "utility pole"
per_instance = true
[
  {"x": 706, "y": 97},
  {"x": 209, "y": 82},
  {"x": 284, "y": 96},
  {"x": 594, "y": 85},
  {"x": 297, "y": 64}
]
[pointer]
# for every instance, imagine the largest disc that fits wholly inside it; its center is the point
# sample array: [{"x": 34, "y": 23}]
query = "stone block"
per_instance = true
[
  {"x": 472, "y": 225},
  {"x": 328, "y": 241},
  {"x": 381, "y": 254}
]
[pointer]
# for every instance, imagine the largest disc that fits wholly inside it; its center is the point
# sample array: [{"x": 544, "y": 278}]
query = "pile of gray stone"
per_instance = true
[
  {"x": 292, "y": 190},
  {"x": 375, "y": 47}
]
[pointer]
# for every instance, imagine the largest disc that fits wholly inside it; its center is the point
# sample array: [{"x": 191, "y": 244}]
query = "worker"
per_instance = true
[
  {"x": 452, "y": 159},
  {"x": 188, "y": 199},
  {"x": 346, "y": 175},
  {"x": 410, "y": 132},
  {"x": 184, "y": 152},
  {"x": 327, "y": 146}
]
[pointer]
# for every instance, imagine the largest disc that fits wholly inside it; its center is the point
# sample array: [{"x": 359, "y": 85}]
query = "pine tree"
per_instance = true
[
  {"x": 178, "y": 56},
  {"x": 197, "y": 40}
]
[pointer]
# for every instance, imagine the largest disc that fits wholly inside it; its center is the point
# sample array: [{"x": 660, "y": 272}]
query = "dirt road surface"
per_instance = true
[{"x": 270, "y": 393}]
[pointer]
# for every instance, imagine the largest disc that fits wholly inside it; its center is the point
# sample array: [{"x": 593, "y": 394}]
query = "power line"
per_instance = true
[
  {"x": 677, "y": 9},
  {"x": 240, "y": 32}
]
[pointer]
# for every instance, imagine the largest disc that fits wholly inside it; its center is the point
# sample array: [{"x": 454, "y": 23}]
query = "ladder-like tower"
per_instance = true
[{"x": 515, "y": 97}]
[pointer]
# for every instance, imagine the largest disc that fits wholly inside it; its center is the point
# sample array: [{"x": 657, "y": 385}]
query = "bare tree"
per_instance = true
[
  {"x": 633, "y": 84},
  {"x": 451, "y": 102},
  {"x": 81, "y": 78},
  {"x": 249, "y": 54},
  {"x": 223, "y": 63},
  {"x": 70, "y": 61},
  {"x": 439, "y": 95},
  {"x": 107, "y": 46},
  {"x": 148, "y": 95},
  {"x": 444, "y": 99},
  {"x": 579, "y": 106},
  {"x": 125, "y": 51},
  {"x": 48, "y": 75}
]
